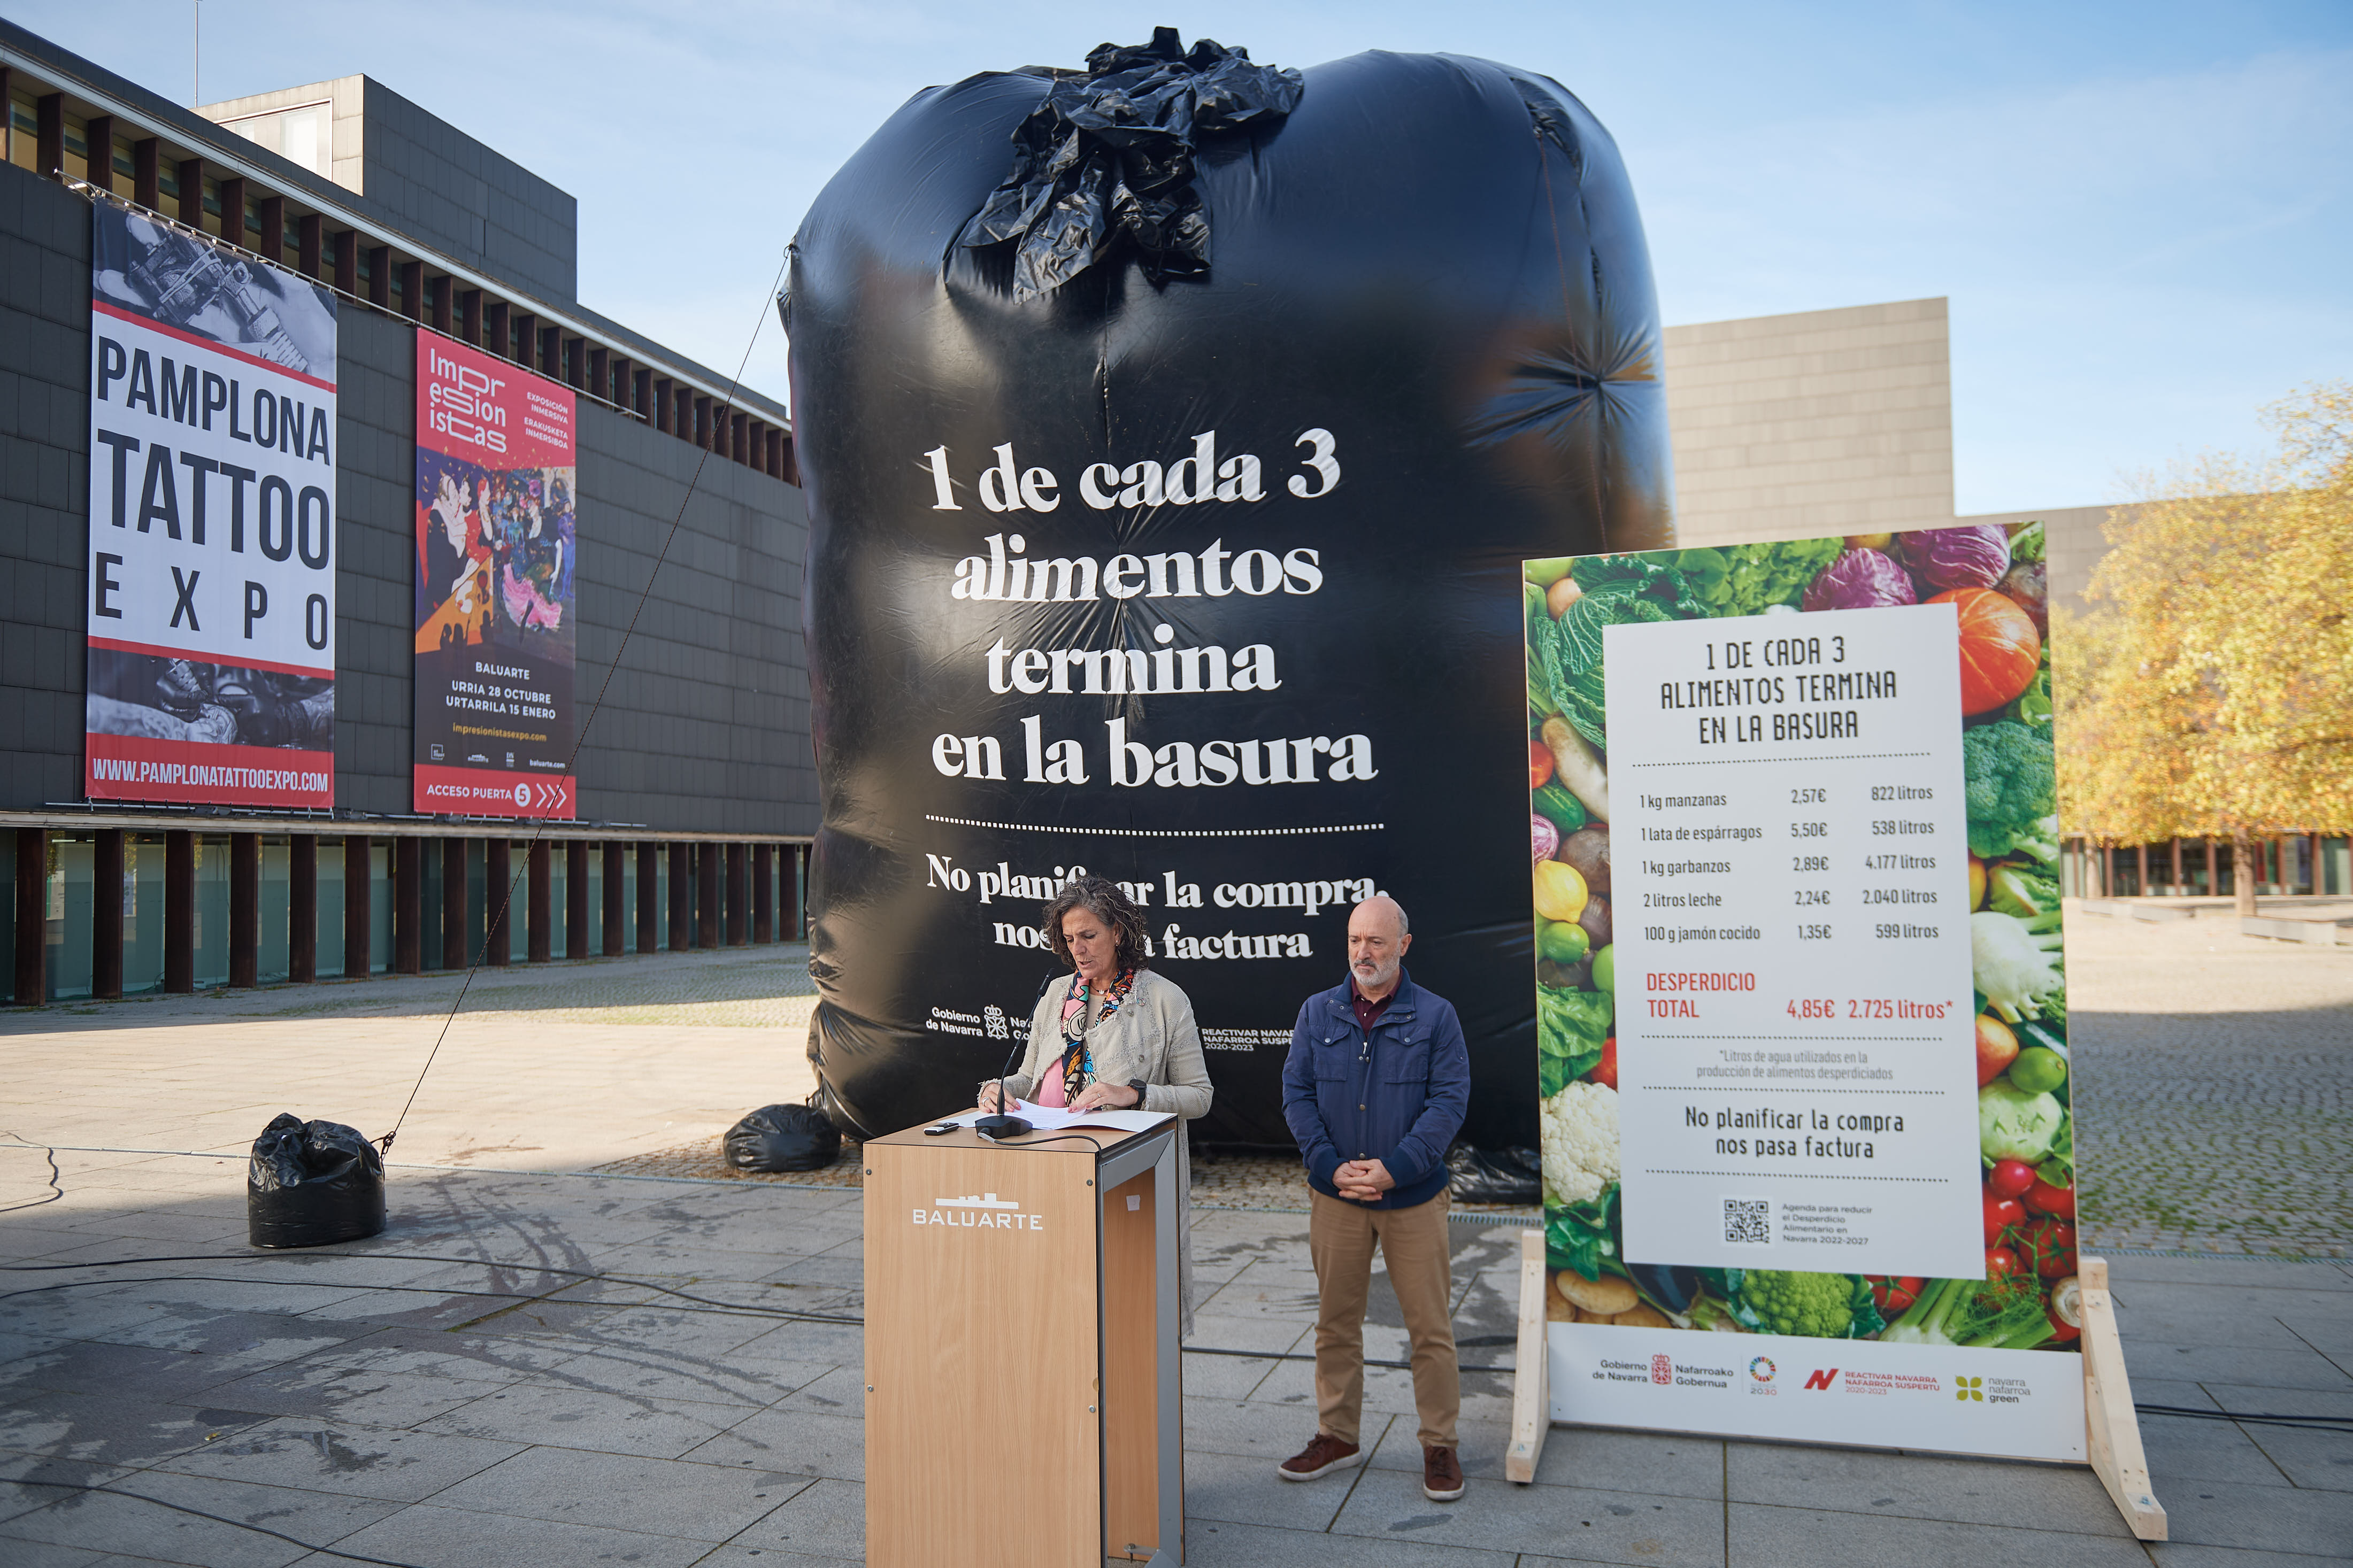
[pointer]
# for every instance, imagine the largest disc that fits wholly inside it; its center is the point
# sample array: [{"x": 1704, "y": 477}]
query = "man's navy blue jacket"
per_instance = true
[{"x": 1397, "y": 1096}]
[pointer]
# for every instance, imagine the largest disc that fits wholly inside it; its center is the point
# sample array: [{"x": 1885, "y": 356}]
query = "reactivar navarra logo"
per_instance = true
[
  {"x": 1762, "y": 1369},
  {"x": 1967, "y": 1388},
  {"x": 1820, "y": 1379}
]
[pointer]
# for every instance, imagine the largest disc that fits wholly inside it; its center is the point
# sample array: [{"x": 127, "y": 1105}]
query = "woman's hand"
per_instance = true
[
  {"x": 1102, "y": 1096},
  {"x": 992, "y": 1097}
]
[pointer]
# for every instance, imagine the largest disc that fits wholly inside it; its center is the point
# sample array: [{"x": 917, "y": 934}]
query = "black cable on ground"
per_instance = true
[
  {"x": 740, "y": 1308},
  {"x": 2341, "y": 1424},
  {"x": 217, "y": 1519},
  {"x": 704, "y": 1303},
  {"x": 497, "y": 925},
  {"x": 56, "y": 1192},
  {"x": 2332, "y": 1423},
  {"x": 1308, "y": 1355}
]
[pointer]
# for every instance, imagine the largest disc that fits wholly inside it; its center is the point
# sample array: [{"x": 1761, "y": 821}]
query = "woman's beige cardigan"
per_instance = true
[{"x": 1153, "y": 1036}]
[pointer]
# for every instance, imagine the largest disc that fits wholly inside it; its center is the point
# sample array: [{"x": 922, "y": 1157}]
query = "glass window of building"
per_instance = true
[{"x": 301, "y": 135}]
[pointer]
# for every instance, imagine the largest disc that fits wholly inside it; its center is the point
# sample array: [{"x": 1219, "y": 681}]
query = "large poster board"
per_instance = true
[
  {"x": 211, "y": 610},
  {"x": 497, "y": 547},
  {"x": 1806, "y": 1121}
]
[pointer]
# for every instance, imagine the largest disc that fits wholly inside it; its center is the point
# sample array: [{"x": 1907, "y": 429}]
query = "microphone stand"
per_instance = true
[{"x": 1002, "y": 1125}]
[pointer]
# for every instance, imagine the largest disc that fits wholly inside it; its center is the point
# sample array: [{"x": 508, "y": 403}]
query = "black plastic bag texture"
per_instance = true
[
  {"x": 310, "y": 1183},
  {"x": 784, "y": 1137},
  {"x": 1494, "y": 1176},
  {"x": 1093, "y": 568}
]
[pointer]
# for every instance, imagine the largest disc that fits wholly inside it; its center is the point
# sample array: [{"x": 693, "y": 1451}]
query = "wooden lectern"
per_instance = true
[{"x": 1023, "y": 1404}]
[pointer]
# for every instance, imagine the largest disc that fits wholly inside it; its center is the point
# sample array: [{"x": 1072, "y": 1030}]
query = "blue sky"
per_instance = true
[{"x": 2142, "y": 213}]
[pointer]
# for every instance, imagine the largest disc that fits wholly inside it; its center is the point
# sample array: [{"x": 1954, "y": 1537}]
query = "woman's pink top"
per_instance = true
[{"x": 1049, "y": 1090}]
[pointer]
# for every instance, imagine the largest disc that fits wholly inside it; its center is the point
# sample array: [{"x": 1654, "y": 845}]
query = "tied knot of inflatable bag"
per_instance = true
[
  {"x": 1108, "y": 156},
  {"x": 312, "y": 1183}
]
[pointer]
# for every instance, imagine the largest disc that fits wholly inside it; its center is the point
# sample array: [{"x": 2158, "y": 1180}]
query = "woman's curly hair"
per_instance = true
[{"x": 1101, "y": 898}]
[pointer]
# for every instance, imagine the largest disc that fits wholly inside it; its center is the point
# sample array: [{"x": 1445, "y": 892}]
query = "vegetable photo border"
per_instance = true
[{"x": 1996, "y": 578}]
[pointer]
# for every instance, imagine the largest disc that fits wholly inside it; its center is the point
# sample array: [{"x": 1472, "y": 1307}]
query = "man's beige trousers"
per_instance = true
[{"x": 1341, "y": 1237}]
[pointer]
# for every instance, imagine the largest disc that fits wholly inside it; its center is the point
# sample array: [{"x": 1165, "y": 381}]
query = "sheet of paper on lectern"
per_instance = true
[{"x": 1053, "y": 1119}]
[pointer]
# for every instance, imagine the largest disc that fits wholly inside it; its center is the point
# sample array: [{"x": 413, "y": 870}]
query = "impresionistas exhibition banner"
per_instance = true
[
  {"x": 1809, "y": 1087},
  {"x": 497, "y": 558},
  {"x": 211, "y": 615}
]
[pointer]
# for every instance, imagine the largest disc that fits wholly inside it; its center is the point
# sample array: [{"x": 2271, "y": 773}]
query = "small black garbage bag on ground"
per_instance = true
[
  {"x": 310, "y": 1183},
  {"x": 1494, "y": 1176},
  {"x": 784, "y": 1137}
]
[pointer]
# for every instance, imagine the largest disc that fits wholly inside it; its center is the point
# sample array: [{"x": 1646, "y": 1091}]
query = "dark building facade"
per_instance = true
[{"x": 696, "y": 780}]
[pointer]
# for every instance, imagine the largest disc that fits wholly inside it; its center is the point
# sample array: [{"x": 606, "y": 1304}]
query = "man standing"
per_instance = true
[{"x": 1375, "y": 1090}]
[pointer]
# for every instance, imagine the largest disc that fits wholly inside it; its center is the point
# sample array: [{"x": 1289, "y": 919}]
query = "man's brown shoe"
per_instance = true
[
  {"x": 1320, "y": 1457},
  {"x": 1441, "y": 1474}
]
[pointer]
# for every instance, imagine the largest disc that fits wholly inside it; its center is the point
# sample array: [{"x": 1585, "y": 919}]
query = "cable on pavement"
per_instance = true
[{"x": 56, "y": 1192}]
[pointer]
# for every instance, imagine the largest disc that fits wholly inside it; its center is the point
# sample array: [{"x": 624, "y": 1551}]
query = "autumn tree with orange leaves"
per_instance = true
[{"x": 2208, "y": 692}]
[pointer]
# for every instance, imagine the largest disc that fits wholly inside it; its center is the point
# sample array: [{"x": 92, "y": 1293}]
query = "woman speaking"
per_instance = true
[{"x": 1113, "y": 1034}]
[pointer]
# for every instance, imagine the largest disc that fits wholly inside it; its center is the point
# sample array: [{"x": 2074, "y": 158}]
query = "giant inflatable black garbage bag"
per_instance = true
[
  {"x": 1494, "y": 1176},
  {"x": 312, "y": 1183},
  {"x": 1172, "y": 431}
]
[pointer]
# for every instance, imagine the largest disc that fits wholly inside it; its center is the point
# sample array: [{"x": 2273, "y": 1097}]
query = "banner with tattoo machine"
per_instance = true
[{"x": 212, "y": 523}]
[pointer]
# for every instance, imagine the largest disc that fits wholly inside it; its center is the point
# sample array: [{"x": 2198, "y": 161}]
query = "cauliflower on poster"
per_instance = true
[{"x": 1580, "y": 1143}]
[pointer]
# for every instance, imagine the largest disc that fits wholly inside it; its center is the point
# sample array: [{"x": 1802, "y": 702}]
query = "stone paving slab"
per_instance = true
[
  {"x": 1585, "y": 1525},
  {"x": 503, "y": 1378},
  {"x": 1783, "y": 1537},
  {"x": 2214, "y": 1076},
  {"x": 570, "y": 1431}
]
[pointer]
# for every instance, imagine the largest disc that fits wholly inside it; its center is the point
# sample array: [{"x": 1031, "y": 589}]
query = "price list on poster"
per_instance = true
[{"x": 1794, "y": 1018}]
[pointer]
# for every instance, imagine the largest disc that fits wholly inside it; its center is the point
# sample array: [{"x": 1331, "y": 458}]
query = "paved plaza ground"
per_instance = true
[{"x": 561, "y": 1354}]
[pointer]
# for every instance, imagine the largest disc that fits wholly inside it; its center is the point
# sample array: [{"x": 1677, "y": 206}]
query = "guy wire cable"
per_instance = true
[{"x": 498, "y": 924}]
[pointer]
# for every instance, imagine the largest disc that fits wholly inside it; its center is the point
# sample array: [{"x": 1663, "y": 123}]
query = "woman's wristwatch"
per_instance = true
[{"x": 1138, "y": 1084}]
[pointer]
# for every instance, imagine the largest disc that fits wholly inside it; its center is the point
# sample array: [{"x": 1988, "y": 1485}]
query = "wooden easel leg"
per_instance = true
[
  {"x": 1532, "y": 1380},
  {"x": 2112, "y": 1435}
]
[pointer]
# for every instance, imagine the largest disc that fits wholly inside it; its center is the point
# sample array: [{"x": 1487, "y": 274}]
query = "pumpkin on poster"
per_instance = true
[{"x": 2000, "y": 649}]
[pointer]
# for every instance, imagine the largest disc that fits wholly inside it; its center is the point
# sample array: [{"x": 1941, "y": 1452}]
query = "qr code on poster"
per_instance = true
[{"x": 1748, "y": 1221}]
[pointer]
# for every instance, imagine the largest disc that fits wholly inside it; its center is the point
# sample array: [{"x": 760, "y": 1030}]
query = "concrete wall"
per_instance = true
[
  {"x": 706, "y": 725},
  {"x": 346, "y": 97},
  {"x": 1822, "y": 422},
  {"x": 1833, "y": 421},
  {"x": 479, "y": 208}
]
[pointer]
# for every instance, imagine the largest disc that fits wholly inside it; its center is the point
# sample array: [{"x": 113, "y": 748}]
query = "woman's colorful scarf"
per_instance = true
[{"x": 1078, "y": 1059}]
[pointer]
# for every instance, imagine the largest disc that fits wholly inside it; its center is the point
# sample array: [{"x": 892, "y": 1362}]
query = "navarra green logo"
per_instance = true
[{"x": 1969, "y": 1388}]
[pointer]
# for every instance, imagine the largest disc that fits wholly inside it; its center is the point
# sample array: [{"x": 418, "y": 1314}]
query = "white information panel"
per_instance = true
[
  {"x": 1794, "y": 1021},
  {"x": 2014, "y": 1403}
]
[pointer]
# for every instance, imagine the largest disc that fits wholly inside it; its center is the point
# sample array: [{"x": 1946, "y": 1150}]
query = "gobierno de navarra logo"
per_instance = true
[{"x": 984, "y": 1211}]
